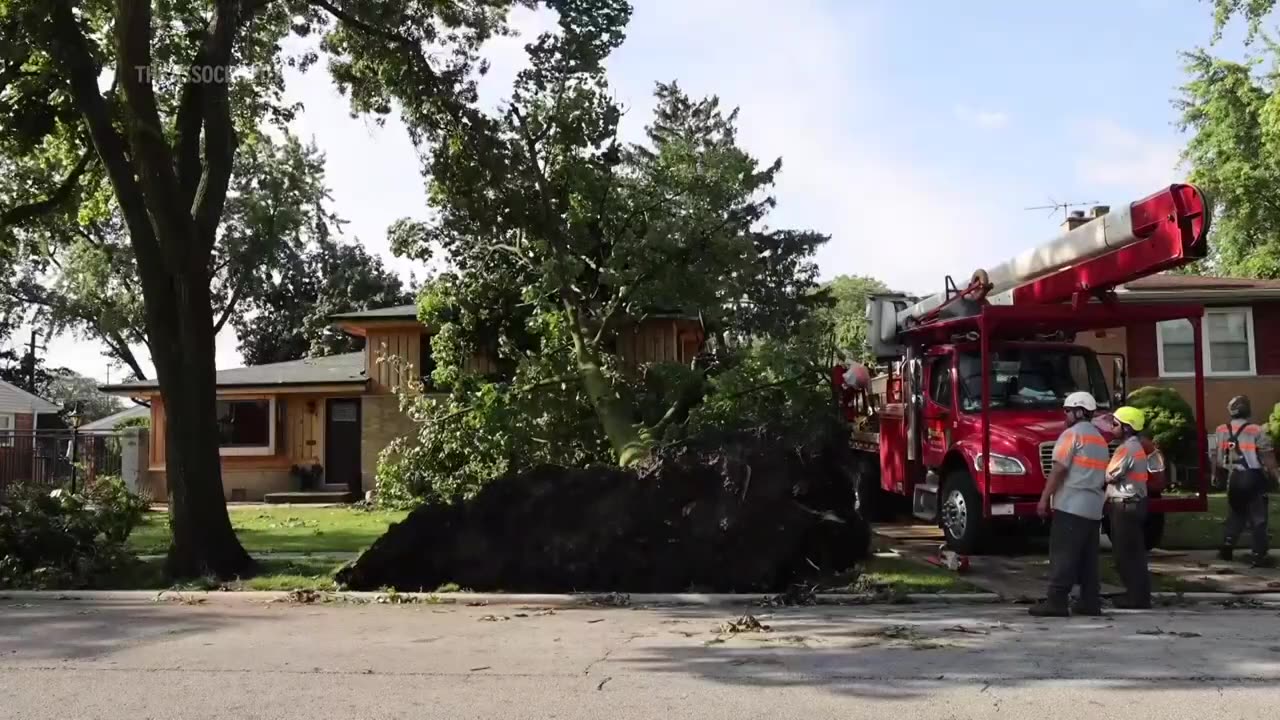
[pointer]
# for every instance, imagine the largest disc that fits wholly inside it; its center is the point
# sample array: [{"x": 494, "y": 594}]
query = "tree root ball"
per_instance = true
[{"x": 749, "y": 514}]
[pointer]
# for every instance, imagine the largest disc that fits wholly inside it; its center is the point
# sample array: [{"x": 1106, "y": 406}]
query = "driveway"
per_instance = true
[{"x": 234, "y": 658}]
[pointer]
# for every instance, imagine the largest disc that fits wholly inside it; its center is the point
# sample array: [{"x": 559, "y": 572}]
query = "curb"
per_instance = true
[{"x": 574, "y": 600}]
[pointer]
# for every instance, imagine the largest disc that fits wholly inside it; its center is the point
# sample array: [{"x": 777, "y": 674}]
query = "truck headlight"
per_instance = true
[{"x": 1001, "y": 465}]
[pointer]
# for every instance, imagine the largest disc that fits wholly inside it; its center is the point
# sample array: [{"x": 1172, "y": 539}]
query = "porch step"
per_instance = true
[{"x": 306, "y": 498}]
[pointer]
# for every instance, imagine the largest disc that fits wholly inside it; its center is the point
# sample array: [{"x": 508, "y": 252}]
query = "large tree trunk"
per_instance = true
[
  {"x": 173, "y": 217},
  {"x": 182, "y": 341}
]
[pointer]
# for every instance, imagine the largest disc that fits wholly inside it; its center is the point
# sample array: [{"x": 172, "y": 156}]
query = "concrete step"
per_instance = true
[{"x": 312, "y": 497}]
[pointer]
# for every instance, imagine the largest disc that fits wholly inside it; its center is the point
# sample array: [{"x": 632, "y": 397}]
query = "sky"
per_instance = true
[{"x": 915, "y": 133}]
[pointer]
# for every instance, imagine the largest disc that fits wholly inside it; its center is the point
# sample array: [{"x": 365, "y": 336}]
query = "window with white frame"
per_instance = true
[
  {"x": 247, "y": 427},
  {"x": 7, "y": 428},
  {"x": 1228, "y": 344}
]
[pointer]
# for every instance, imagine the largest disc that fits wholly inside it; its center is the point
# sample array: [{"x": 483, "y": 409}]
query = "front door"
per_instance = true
[
  {"x": 342, "y": 444},
  {"x": 938, "y": 409}
]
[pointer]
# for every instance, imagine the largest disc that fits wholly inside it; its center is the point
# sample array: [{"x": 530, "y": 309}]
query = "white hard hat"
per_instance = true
[{"x": 1081, "y": 400}]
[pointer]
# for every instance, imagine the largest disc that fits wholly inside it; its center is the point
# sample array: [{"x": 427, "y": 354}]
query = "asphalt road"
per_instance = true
[{"x": 239, "y": 659}]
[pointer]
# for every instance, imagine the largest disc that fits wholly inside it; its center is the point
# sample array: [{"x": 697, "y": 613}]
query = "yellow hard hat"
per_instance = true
[{"x": 1131, "y": 416}]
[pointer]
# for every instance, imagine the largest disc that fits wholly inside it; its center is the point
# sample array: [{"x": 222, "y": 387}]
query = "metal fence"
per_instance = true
[{"x": 57, "y": 458}]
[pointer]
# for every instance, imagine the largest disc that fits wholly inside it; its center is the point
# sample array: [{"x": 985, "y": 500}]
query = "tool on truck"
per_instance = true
[{"x": 963, "y": 420}]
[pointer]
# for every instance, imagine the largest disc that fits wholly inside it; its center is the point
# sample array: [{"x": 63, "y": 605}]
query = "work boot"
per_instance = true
[
  {"x": 1130, "y": 604},
  {"x": 1224, "y": 553},
  {"x": 1086, "y": 610},
  {"x": 1262, "y": 561},
  {"x": 1046, "y": 608}
]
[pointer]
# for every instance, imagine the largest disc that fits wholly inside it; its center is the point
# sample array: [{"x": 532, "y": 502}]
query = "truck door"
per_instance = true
[{"x": 939, "y": 408}]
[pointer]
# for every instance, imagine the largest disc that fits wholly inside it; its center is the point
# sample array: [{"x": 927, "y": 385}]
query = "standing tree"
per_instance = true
[
  {"x": 288, "y": 317},
  {"x": 540, "y": 205},
  {"x": 156, "y": 98},
  {"x": 846, "y": 318}
]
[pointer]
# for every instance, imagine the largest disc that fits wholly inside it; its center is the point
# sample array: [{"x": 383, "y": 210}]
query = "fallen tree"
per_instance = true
[{"x": 749, "y": 513}]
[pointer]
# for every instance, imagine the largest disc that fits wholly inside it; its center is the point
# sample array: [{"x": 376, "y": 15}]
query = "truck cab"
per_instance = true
[{"x": 1029, "y": 381}]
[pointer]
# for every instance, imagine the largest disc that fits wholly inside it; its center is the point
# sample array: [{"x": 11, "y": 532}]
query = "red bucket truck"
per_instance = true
[{"x": 964, "y": 419}]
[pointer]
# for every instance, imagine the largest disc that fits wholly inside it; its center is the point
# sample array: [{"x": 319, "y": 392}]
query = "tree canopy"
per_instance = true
[{"x": 558, "y": 232}]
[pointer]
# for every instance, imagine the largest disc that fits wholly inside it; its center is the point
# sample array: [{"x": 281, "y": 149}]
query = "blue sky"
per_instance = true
[{"x": 913, "y": 131}]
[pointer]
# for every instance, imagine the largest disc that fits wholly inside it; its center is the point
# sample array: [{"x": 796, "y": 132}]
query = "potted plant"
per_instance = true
[{"x": 307, "y": 476}]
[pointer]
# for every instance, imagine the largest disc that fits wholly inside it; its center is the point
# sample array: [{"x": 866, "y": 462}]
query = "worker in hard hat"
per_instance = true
[
  {"x": 1243, "y": 450},
  {"x": 1127, "y": 476},
  {"x": 1074, "y": 490}
]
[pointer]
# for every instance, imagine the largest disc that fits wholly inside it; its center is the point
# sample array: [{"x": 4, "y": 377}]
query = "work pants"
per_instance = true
[
  {"x": 1073, "y": 559},
  {"x": 1129, "y": 547}
]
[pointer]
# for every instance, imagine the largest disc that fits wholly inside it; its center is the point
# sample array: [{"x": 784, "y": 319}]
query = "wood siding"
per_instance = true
[
  {"x": 660, "y": 340},
  {"x": 392, "y": 357}
]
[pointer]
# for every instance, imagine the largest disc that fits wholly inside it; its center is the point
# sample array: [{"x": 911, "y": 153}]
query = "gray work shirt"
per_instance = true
[{"x": 1083, "y": 451}]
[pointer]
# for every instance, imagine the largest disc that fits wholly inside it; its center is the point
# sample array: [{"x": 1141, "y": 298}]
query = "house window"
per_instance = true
[
  {"x": 247, "y": 427},
  {"x": 1228, "y": 344},
  {"x": 7, "y": 427}
]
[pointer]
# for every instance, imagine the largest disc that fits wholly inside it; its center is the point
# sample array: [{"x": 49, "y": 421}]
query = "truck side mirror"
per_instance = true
[{"x": 1122, "y": 382}]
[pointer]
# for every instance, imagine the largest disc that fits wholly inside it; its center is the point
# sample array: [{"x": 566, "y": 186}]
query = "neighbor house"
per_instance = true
[
  {"x": 20, "y": 413},
  {"x": 1241, "y": 341},
  {"x": 339, "y": 412}
]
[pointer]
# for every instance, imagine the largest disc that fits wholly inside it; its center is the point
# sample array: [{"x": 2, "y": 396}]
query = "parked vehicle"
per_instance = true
[{"x": 964, "y": 418}]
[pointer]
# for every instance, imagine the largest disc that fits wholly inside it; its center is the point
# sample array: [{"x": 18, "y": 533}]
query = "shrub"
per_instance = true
[
  {"x": 62, "y": 540},
  {"x": 1273, "y": 423},
  {"x": 1170, "y": 422}
]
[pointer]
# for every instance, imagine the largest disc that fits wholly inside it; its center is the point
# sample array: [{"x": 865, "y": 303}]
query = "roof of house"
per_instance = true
[
  {"x": 1199, "y": 288},
  {"x": 109, "y": 422},
  {"x": 397, "y": 312},
  {"x": 347, "y": 368},
  {"x": 14, "y": 399}
]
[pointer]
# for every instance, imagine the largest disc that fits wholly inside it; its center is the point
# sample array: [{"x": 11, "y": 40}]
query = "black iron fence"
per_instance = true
[{"x": 57, "y": 458}]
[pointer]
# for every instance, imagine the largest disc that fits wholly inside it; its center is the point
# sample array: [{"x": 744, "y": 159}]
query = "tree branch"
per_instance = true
[
  {"x": 22, "y": 213},
  {"x": 72, "y": 50},
  {"x": 232, "y": 301},
  {"x": 219, "y": 129}
]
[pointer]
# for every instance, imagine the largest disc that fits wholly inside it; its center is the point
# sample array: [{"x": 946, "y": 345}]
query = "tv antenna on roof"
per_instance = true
[{"x": 1065, "y": 207}]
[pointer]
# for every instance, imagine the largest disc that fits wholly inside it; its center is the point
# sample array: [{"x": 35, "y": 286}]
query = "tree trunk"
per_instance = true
[
  {"x": 625, "y": 437},
  {"x": 203, "y": 543}
]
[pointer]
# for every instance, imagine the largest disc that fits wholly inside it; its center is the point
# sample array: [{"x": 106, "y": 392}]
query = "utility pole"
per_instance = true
[{"x": 32, "y": 347}]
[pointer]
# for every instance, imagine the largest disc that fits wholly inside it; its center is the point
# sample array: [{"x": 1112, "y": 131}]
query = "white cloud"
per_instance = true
[
  {"x": 1112, "y": 156},
  {"x": 982, "y": 119}
]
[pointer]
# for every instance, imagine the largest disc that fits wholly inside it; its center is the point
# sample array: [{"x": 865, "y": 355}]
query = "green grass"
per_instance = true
[
  {"x": 292, "y": 529},
  {"x": 284, "y": 575},
  {"x": 900, "y": 576},
  {"x": 1203, "y": 531}
]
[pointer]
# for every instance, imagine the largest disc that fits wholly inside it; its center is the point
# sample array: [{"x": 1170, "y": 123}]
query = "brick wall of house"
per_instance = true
[{"x": 381, "y": 422}]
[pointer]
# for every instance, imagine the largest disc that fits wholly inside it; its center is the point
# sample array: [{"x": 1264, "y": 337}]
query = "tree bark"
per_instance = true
[{"x": 616, "y": 417}]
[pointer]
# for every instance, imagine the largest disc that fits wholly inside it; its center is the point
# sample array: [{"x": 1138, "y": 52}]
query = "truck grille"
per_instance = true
[{"x": 1046, "y": 455}]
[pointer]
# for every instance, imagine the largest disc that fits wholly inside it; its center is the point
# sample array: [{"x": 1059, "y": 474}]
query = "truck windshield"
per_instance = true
[{"x": 1031, "y": 377}]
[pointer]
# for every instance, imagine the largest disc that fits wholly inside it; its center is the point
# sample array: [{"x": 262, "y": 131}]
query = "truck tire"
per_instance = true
[
  {"x": 872, "y": 504},
  {"x": 960, "y": 513}
]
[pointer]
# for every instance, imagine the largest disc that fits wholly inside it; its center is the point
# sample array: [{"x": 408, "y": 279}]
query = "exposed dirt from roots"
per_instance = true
[{"x": 749, "y": 515}]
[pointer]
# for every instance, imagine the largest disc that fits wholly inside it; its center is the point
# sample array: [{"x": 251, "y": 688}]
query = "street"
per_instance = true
[{"x": 234, "y": 658}]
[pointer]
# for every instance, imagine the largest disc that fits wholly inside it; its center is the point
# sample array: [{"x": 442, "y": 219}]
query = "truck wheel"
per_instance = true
[
  {"x": 872, "y": 505},
  {"x": 961, "y": 513}
]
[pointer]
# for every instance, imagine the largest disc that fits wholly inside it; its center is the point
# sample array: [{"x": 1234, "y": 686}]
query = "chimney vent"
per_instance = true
[{"x": 1100, "y": 210}]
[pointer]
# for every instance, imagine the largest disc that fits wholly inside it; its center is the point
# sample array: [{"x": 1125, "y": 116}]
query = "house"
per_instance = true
[
  {"x": 1241, "y": 334},
  {"x": 20, "y": 413},
  {"x": 109, "y": 423},
  {"x": 339, "y": 412}
]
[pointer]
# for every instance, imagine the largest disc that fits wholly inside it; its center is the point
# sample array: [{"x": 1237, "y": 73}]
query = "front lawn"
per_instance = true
[
  {"x": 1203, "y": 531},
  {"x": 286, "y": 528},
  {"x": 273, "y": 574}
]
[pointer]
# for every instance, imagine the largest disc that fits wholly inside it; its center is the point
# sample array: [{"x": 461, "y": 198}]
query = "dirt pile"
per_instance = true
[{"x": 745, "y": 515}]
